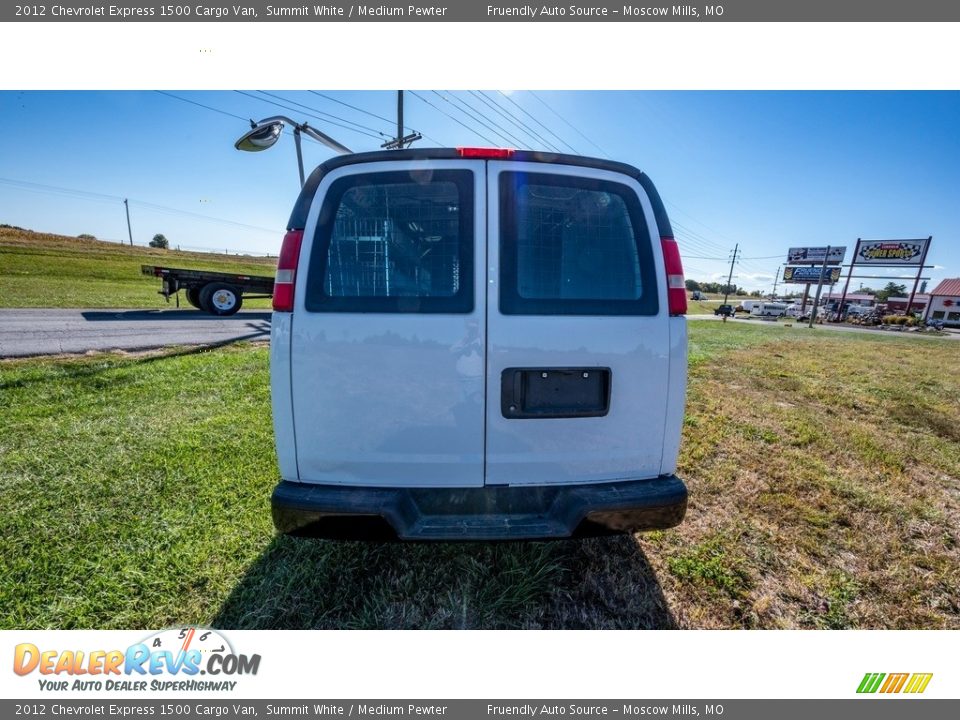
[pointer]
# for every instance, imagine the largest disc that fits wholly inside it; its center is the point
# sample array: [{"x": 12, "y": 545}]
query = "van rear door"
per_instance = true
[
  {"x": 387, "y": 340},
  {"x": 577, "y": 331}
]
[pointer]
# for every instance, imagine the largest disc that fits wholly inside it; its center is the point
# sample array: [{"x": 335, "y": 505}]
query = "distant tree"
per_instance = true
[
  {"x": 923, "y": 287},
  {"x": 160, "y": 241},
  {"x": 756, "y": 293},
  {"x": 692, "y": 285},
  {"x": 86, "y": 236},
  {"x": 891, "y": 289}
]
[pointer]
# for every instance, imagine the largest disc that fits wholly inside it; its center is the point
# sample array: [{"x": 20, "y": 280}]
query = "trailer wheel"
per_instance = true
[
  {"x": 193, "y": 297},
  {"x": 220, "y": 299}
]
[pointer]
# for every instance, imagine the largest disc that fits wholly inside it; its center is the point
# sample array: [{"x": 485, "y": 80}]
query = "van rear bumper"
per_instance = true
[{"x": 486, "y": 513}]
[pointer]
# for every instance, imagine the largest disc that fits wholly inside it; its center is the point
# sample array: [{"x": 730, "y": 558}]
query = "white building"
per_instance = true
[{"x": 945, "y": 302}]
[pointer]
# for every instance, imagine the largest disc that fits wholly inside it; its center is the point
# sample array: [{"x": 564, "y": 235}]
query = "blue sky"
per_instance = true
[{"x": 767, "y": 170}]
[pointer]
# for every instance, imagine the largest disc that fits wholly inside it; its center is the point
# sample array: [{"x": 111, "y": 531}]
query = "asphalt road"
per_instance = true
[
  {"x": 24, "y": 333},
  {"x": 49, "y": 332}
]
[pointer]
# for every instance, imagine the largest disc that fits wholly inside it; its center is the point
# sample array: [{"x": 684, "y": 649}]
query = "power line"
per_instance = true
[
  {"x": 320, "y": 112},
  {"x": 53, "y": 189},
  {"x": 470, "y": 114},
  {"x": 102, "y": 197},
  {"x": 423, "y": 99},
  {"x": 508, "y": 132},
  {"x": 198, "y": 104},
  {"x": 697, "y": 236},
  {"x": 702, "y": 224},
  {"x": 296, "y": 110},
  {"x": 367, "y": 112},
  {"x": 512, "y": 118},
  {"x": 528, "y": 114},
  {"x": 353, "y": 107},
  {"x": 568, "y": 123},
  {"x": 209, "y": 218}
]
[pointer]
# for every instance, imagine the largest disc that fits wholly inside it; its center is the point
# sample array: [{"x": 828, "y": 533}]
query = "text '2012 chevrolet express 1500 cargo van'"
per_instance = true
[{"x": 477, "y": 343}]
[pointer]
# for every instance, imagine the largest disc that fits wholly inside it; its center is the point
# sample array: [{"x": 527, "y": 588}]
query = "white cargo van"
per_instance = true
[{"x": 477, "y": 343}]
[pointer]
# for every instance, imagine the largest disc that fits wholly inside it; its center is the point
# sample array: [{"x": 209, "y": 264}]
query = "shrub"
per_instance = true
[{"x": 160, "y": 241}]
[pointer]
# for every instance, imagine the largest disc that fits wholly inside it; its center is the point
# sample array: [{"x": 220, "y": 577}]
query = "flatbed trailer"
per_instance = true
[{"x": 216, "y": 293}]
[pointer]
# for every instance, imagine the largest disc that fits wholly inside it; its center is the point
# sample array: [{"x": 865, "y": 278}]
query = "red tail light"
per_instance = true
[
  {"x": 287, "y": 271},
  {"x": 676, "y": 289},
  {"x": 486, "y": 153}
]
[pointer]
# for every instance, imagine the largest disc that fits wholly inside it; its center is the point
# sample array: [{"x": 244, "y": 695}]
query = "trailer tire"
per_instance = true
[
  {"x": 193, "y": 297},
  {"x": 220, "y": 299}
]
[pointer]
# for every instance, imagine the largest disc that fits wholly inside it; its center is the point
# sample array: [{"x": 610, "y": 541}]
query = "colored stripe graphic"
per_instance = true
[
  {"x": 918, "y": 683},
  {"x": 894, "y": 682},
  {"x": 870, "y": 682}
]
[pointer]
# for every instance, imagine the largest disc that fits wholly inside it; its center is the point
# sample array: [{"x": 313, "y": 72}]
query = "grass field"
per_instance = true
[
  {"x": 824, "y": 473},
  {"x": 40, "y": 270}
]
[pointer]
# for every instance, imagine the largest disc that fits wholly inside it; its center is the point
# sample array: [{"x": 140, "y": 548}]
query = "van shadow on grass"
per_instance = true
[{"x": 577, "y": 584}]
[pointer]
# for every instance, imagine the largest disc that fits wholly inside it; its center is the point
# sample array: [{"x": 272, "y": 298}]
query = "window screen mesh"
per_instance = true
[
  {"x": 396, "y": 240},
  {"x": 574, "y": 243}
]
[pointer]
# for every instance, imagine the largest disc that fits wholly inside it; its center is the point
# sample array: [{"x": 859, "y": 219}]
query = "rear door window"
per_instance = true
[
  {"x": 394, "y": 242},
  {"x": 573, "y": 246}
]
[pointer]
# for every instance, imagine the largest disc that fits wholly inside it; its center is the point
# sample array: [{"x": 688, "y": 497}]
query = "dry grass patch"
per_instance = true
[{"x": 824, "y": 489}]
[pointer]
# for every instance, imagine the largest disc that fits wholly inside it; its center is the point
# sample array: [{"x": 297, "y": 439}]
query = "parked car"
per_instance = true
[
  {"x": 859, "y": 311},
  {"x": 477, "y": 344},
  {"x": 697, "y": 295},
  {"x": 725, "y": 310}
]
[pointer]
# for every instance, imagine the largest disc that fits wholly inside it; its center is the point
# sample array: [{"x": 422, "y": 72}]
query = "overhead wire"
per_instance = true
[
  {"x": 371, "y": 114},
  {"x": 305, "y": 109},
  {"x": 506, "y": 114},
  {"x": 518, "y": 142},
  {"x": 528, "y": 114},
  {"x": 103, "y": 197},
  {"x": 293, "y": 109},
  {"x": 199, "y": 104},
  {"x": 442, "y": 112},
  {"x": 469, "y": 114},
  {"x": 568, "y": 123}
]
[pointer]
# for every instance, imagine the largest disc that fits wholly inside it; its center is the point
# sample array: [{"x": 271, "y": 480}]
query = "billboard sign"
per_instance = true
[
  {"x": 815, "y": 255},
  {"x": 810, "y": 274},
  {"x": 891, "y": 252}
]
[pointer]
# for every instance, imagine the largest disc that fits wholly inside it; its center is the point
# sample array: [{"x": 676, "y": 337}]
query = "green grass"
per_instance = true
[
  {"x": 40, "y": 270},
  {"x": 824, "y": 472}
]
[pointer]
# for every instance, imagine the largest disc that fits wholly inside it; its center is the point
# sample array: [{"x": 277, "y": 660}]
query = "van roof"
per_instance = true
[{"x": 298, "y": 218}]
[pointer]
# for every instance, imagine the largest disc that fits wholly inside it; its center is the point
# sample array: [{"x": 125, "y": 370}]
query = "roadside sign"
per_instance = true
[
  {"x": 810, "y": 274},
  {"x": 815, "y": 255},
  {"x": 891, "y": 252}
]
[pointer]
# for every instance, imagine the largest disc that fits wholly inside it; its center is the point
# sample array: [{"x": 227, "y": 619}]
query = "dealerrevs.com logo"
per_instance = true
[{"x": 170, "y": 660}]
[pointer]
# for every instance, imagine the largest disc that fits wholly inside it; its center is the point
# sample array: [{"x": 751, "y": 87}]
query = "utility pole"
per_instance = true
[
  {"x": 401, "y": 140},
  {"x": 733, "y": 261},
  {"x": 816, "y": 300},
  {"x": 776, "y": 278},
  {"x": 399, "y": 114},
  {"x": 126, "y": 205}
]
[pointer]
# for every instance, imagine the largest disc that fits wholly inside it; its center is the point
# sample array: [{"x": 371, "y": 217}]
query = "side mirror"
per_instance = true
[{"x": 260, "y": 137}]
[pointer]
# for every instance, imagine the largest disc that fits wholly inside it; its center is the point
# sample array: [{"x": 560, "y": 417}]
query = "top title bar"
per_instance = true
[{"x": 482, "y": 11}]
